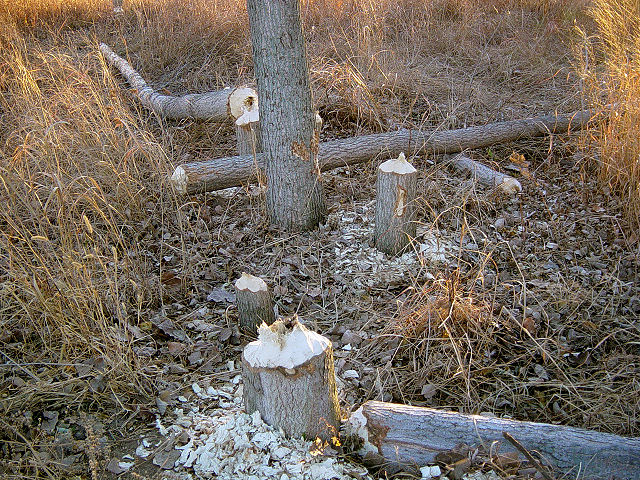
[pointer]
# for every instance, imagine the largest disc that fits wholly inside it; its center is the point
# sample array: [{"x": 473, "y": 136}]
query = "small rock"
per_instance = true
[{"x": 348, "y": 374}]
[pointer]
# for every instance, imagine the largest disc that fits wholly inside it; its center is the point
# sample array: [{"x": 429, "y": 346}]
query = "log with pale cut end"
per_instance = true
[
  {"x": 486, "y": 176},
  {"x": 248, "y": 132},
  {"x": 255, "y": 305},
  {"x": 219, "y": 106},
  {"x": 415, "y": 435},
  {"x": 395, "y": 224},
  {"x": 289, "y": 377},
  {"x": 219, "y": 173}
]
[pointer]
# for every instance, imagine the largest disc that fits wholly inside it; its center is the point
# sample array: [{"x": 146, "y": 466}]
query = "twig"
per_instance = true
[{"x": 537, "y": 465}]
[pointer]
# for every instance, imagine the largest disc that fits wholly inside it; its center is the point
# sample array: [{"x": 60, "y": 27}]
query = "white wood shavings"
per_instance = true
[
  {"x": 226, "y": 443},
  {"x": 360, "y": 265}
]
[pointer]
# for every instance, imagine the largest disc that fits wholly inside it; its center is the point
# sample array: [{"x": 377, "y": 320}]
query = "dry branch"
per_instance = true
[
  {"x": 486, "y": 175},
  {"x": 219, "y": 106},
  {"x": 227, "y": 172},
  {"x": 414, "y": 436}
]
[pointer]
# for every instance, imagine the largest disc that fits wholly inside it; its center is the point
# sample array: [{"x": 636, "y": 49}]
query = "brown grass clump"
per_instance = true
[
  {"x": 610, "y": 63},
  {"x": 446, "y": 347}
]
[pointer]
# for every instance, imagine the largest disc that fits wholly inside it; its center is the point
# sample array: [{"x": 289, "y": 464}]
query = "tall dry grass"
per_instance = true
[
  {"x": 80, "y": 177},
  {"x": 610, "y": 63}
]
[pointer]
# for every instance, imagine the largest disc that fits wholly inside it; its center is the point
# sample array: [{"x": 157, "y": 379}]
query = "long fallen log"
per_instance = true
[
  {"x": 413, "y": 436},
  {"x": 219, "y": 106},
  {"x": 211, "y": 175}
]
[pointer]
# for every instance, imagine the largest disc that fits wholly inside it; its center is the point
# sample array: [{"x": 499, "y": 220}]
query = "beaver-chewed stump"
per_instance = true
[
  {"x": 395, "y": 224},
  {"x": 289, "y": 377},
  {"x": 255, "y": 304}
]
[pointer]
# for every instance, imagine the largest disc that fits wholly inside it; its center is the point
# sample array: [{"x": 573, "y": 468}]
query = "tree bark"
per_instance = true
[
  {"x": 395, "y": 224},
  {"x": 295, "y": 200},
  {"x": 255, "y": 305},
  {"x": 289, "y": 377},
  {"x": 219, "y": 106},
  {"x": 227, "y": 172},
  {"x": 414, "y": 435},
  {"x": 485, "y": 175}
]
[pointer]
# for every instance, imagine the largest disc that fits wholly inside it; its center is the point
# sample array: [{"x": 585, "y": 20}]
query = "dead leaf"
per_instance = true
[{"x": 220, "y": 295}]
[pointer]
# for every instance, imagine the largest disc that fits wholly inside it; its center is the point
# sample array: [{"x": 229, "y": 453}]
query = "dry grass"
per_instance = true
[
  {"x": 88, "y": 217},
  {"x": 610, "y": 63}
]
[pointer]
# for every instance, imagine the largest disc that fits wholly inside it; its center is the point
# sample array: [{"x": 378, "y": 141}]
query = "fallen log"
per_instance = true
[
  {"x": 219, "y": 106},
  {"x": 211, "y": 175},
  {"x": 486, "y": 175},
  {"x": 413, "y": 436}
]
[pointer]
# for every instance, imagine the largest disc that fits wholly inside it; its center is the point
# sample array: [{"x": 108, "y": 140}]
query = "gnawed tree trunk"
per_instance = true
[
  {"x": 219, "y": 106},
  {"x": 295, "y": 200},
  {"x": 395, "y": 224},
  {"x": 255, "y": 305},
  {"x": 415, "y": 435},
  {"x": 227, "y": 172},
  {"x": 485, "y": 175},
  {"x": 289, "y": 377}
]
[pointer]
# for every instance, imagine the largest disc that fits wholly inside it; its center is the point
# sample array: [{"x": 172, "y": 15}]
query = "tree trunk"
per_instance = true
[
  {"x": 227, "y": 172},
  {"x": 289, "y": 377},
  {"x": 255, "y": 305},
  {"x": 248, "y": 132},
  {"x": 485, "y": 175},
  {"x": 415, "y": 435},
  {"x": 295, "y": 200},
  {"x": 220, "y": 106},
  {"x": 395, "y": 224}
]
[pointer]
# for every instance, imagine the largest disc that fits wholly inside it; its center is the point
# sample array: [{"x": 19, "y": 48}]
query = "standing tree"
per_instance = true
[{"x": 290, "y": 138}]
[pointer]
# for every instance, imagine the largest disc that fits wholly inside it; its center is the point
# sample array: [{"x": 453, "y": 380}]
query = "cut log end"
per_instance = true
[
  {"x": 510, "y": 186},
  {"x": 179, "y": 180},
  {"x": 242, "y": 100}
]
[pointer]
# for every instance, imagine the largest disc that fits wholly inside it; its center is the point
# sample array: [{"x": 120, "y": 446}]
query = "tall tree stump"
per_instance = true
[
  {"x": 290, "y": 139},
  {"x": 255, "y": 305},
  {"x": 395, "y": 205},
  {"x": 289, "y": 377}
]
